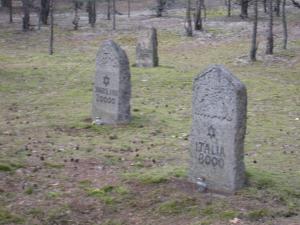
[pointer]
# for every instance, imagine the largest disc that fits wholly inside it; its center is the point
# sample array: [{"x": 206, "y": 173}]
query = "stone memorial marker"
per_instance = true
[
  {"x": 112, "y": 88},
  {"x": 218, "y": 130},
  {"x": 146, "y": 50}
]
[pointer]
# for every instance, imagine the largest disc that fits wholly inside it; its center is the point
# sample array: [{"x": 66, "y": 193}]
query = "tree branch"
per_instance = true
[{"x": 297, "y": 4}]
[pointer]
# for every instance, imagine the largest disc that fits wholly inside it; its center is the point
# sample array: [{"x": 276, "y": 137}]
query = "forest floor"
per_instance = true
[{"x": 58, "y": 168}]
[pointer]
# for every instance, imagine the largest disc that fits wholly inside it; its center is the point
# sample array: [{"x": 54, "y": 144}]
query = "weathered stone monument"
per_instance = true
[
  {"x": 146, "y": 50},
  {"x": 218, "y": 130},
  {"x": 112, "y": 88}
]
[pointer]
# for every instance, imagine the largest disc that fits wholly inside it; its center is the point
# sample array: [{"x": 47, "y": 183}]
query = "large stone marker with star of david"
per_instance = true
[
  {"x": 218, "y": 131},
  {"x": 112, "y": 86}
]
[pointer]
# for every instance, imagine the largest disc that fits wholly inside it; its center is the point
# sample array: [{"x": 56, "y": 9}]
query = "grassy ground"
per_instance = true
[{"x": 56, "y": 168}]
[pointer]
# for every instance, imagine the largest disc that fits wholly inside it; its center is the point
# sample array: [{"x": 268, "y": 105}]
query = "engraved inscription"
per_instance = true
[
  {"x": 106, "y": 95},
  {"x": 210, "y": 154}
]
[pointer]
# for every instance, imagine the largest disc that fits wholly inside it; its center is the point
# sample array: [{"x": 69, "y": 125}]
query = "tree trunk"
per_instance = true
[
  {"x": 114, "y": 14},
  {"x": 296, "y": 4},
  {"x": 284, "y": 23},
  {"x": 229, "y": 8},
  {"x": 160, "y": 7},
  {"x": 198, "y": 16},
  {"x": 244, "y": 8},
  {"x": 188, "y": 26},
  {"x": 270, "y": 38},
  {"x": 204, "y": 8},
  {"x": 129, "y": 7},
  {"x": 108, "y": 10},
  {"x": 45, "y": 4},
  {"x": 76, "y": 16},
  {"x": 91, "y": 8},
  {"x": 254, "y": 33},
  {"x": 26, "y": 16},
  {"x": 10, "y": 8},
  {"x": 51, "y": 40},
  {"x": 39, "y": 15},
  {"x": 265, "y": 6},
  {"x": 5, "y": 3},
  {"x": 277, "y": 8}
]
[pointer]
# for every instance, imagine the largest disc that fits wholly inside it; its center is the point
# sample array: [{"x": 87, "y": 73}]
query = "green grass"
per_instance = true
[
  {"x": 53, "y": 195},
  {"x": 8, "y": 218},
  {"x": 5, "y": 167},
  {"x": 183, "y": 205},
  {"x": 29, "y": 191},
  {"x": 156, "y": 175},
  {"x": 9, "y": 167},
  {"x": 109, "y": 194},
  {"x": 257, "y": 214},
  {"x": 54, "y": 165}
]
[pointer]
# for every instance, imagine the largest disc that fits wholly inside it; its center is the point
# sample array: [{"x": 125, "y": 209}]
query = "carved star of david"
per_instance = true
[
  {"x": 106, "y": 81},
  {"x": 211, "y": 132}
]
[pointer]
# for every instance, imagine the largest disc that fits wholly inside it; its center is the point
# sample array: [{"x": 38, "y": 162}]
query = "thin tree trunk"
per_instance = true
[
  {"x": 76, "y": 16},
  {"x": 278, "y": 3},
  {"x": 5, "y": 3},
  {"x": 129, "y": 7},
  {"x": 91, "y": 8},
  {"x": 229, "y": 8},
  {"x": 203, "y": 6},
  {"x": 265, "y": 6},
  {"x": 39, "y": 15},
  {"x": 94, "y": 10},
  {"x": 10, "y": 8},
  {"x": 270, "y": 38},
  {"x": 108, "y": 9},
  {"x": 26, "y": 16},
  {"x": 159, "y": 8},
  {"x": 244, "y": 8},
  {"x": 198, "y": 16},
  {"x": 188, "y": 26},
  {"x": 45, "y": 5},
  {"x": 284, "y": 23},
  {"x": 254, "y": 33},
  {"x": 51, "y": 41},
  {"x": 114, "y": 14}
]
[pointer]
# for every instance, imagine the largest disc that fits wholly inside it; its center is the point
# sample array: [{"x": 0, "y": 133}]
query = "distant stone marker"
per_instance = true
[
  {"x": 218, "y": 130},
  {"x": 112, "y": 89},
  {"x": 146, "y": 50}
]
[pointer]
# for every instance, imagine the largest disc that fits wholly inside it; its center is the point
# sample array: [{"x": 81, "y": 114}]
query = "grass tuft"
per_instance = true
[
  {"x": 109, "y": 194},
  {"x": 7, "y": 217},
  {"x": 184, "y": 205},
  {"x": 256, "y": 215},
  {"x": 156, "y": 175}
]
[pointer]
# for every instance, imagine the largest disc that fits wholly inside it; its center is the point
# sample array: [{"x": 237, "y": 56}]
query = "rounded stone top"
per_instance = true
[
  {"x": 110, "y": 53},
  {"x": 216, "y": 75}
]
